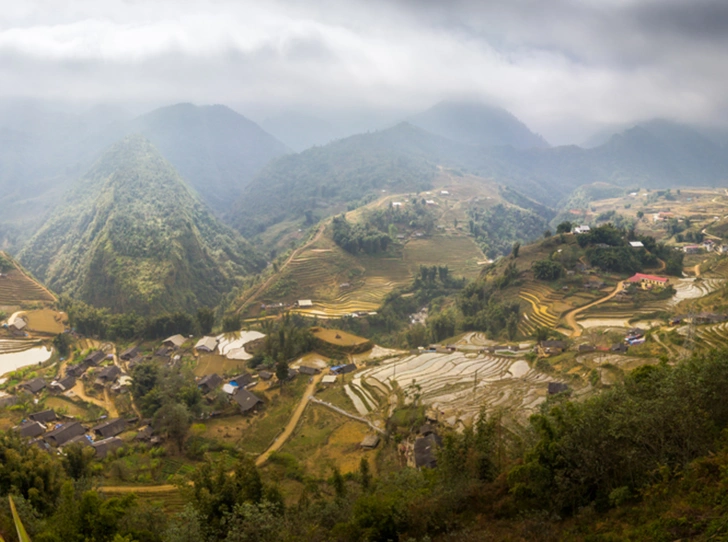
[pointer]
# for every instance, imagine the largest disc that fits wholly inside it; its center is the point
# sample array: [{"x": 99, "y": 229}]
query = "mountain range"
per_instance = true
[{"x": 130, "y": 235}]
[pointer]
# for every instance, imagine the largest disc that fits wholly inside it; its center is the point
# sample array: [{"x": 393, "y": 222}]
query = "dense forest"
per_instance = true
[{"x": 496, "y": 228}]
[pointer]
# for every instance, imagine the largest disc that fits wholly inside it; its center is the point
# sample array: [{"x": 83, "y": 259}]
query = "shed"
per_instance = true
[
  {"x": 265, "y": 375},
  {"x": 109, "y": 428},
  {"x": 106, "y": 446},
  {"x": 18, "y": 324},
  {"x": 370, "y": 441},
  {"x": 620, "y": 348},
  {"x": 175, "y": 341},
  {"x": 206, "y": 344},
  {"x": 63, "y": 433},
  {"x": 305, "y": 303},
  {"x": 246, "y": 400},
  {"x": 30, "y": 429},
  {"x": 34, "y": 386},
  {"x": 209, "y": 382},
  {"x": 329, "y": 379},
  {"x": 305, "y": 370},
  {"x": 45, "y": 416}
]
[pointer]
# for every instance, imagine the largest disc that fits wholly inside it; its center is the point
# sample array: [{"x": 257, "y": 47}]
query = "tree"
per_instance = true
[
  {"x": 640, "y": 214},
  {"x": 564, "y": 227},
  {"x": 547, "y": 234},
  {"x": 516, "y": 249},
  {"x": 205, "y": 319},
  {"x": 282, "y": 371},
  {"x": 77, "y": 459},
  {"x": 173, "y": 420},
  {"x": 62, "y": 343},
  {"x": 365, "y": 477},
  {"x": 547, "y": 270},
  {"x": 232, "y": 322}
]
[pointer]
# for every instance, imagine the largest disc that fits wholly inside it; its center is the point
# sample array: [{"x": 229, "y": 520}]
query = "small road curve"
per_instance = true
[
  {"x": 570, "y": 317},
  {"x": 292, "y": 423}
]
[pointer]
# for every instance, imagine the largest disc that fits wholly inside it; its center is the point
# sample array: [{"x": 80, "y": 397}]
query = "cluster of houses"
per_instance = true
[
  {"x": 708, "y": 245},
  {"x": 49, "y": 431}
]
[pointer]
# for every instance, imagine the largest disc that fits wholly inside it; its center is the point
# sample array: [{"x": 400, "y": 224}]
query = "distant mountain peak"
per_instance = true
[{"x": 479, "y": 124}]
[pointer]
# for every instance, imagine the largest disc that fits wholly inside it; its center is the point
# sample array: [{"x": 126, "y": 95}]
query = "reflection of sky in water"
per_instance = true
[{"x": 16, "y": 360}]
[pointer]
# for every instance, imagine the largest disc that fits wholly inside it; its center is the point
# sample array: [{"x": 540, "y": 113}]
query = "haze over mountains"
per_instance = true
[{"x": 131, "y": 236}]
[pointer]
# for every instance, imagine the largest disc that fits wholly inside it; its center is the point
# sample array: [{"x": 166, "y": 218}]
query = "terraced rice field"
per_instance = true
[
  {"x": 456, "y": 385},
  {"x": 710, "y": 336},
  {"x": 15, "y": 354},
  {"x": 17, "y": 288},
  {"x": 542, "y": 301},
  {"x": 461, "y": 254},
  {"x": 691, "y": 288}
]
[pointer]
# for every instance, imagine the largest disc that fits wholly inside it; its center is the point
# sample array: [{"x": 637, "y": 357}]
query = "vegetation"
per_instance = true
[
  {"x": 497, "y": 228},
  {"x": 358, "y": 237},
  {"x": 154, "y": 247}
]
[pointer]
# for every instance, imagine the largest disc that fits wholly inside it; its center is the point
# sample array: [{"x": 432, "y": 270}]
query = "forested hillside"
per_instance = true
[{"x": 132, "y": 237}]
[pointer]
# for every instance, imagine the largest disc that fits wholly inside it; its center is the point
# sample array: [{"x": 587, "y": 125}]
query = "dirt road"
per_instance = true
[
  {"x": 292, "y": 423},
  {"x": 107, "y": 405},
  {"x": 268, "y": 281},
  {"x": 570, "y": 316}
]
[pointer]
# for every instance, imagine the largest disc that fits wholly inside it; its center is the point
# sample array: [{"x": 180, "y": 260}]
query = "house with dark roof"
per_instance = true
[
  {"x": 107, "y": 375},
  {"x": 30, "y": 429},
  {"x": 586, "y": 348},
  {"x": 242, "y": 380},
  {"x": 425, "y": 451},
  {"x": 45, "y": 416},
  {"x": 109, "y": 428},
  {"x": 94, "y": 358},
  {"x": 33, "y": 386},
  {"x": 557, "y": 387},
  {"x": 209, "y": 383},
  {"x": 64, "y": 384},
  {"x": 305, "y": 370},
  {"x": 619, "y": 348},
  {"x": 265, "y": 375},
  {"x": 82, "y": 440},
  {"x": 246, "y": 401},
  {"x": 343, "y": 369},
  {"x": 553, "y": 347},
  {"x": 106, "y": 446},
  {"x": 63, "y": 433},
  {"x": 77, "y": 370},
  {"x": 129, "y": 353}
]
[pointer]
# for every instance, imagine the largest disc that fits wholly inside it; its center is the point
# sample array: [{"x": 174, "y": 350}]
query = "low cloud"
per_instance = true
[{"x": 563, "y": 67}]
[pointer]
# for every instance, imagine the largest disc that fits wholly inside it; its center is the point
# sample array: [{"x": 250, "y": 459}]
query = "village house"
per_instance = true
[
  {"x": 107, "y": 375},
  {"x": 130, "y": 353},
  {"x": 692, "y": 249},
  {"x": 329, "y": 379},
  {"x": 581, "y": 229},
  {"x": 343, "y": 369},
  {"x": 305, "y": 370},
  {"x": 246, "y": 401},
  {"x": 94, "y": 358},
  {"x": 175, "y": 341},
  {"x": 304, "y": 303},
  {"x": 45, "y": 416},
  {"x": 109, "y": 428},
  {"x": 34, "y": 386},
  {"x": 17, "y": 327},
  {"x": 553, "y": 347},
  {"x": 425, "y": 451},
  {"x": 106, "y": 446},
  {"x": 370, "y": 441},
  {"x": 557, "y": 387},
  {"x": 636, "y": 244},
  {"x": 647, "y": 281},
  {"x": 76, "y": 370},
  {"x": 620, "y": 348},
  {"x": 63, "y": 433},
  {"x": 30, "y": 429},
  {"x": 64, "y": 384},
  {"x": 206, "y": 344},
  {"x": 209, "y": 383},
  {"x": 265, "y": 375}
]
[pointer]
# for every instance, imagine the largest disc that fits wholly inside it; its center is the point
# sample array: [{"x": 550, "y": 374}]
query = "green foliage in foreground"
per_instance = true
[{"x": 644, "y": 460}]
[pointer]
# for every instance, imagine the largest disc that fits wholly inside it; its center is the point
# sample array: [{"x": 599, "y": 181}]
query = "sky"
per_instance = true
[{"x": 566, "y": 68}]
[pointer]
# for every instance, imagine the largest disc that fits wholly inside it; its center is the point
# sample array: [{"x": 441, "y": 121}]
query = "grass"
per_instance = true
[
  {"x": 64, "y": 405},
  {"x": 337, "y": 337},
  {"x": 208, "y": 364},
  {"x": 325, "y": 439}
]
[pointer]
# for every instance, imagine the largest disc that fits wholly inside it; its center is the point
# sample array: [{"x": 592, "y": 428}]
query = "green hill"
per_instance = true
[{"x": 130, "y": 235}]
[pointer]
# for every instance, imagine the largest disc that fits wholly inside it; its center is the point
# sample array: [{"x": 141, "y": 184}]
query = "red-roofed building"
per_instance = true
[{"x": 647, "y": 281}]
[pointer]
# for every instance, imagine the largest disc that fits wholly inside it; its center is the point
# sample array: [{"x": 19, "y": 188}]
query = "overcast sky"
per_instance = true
[{"x": 563, "y": 67}]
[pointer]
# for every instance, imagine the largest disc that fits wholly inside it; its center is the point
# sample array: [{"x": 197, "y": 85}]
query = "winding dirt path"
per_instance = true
[
  {"x": 570, "y": 317},
  {"x": 292, "y": 423},
  {"x": 253, "y": 296}
]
